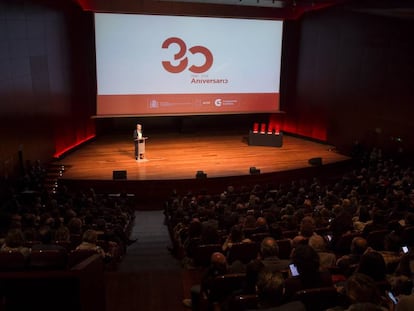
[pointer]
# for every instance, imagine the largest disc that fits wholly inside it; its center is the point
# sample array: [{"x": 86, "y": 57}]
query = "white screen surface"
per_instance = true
[{"x": 186, "y": 65}]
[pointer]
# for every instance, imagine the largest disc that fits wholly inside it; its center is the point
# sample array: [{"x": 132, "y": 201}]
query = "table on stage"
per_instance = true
[{"x": 265, "y": 139}]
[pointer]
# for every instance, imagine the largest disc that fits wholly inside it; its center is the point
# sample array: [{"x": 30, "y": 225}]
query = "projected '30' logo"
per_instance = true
[{"x": 182, "y": 59}]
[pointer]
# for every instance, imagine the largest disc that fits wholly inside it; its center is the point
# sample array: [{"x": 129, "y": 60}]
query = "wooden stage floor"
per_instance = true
[{"x": 179, "y": 156}]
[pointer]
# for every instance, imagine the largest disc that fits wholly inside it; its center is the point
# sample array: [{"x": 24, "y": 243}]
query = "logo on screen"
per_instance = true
[
  {"x": 218, "y": 102},
  {"x": 181, "y": 56}
]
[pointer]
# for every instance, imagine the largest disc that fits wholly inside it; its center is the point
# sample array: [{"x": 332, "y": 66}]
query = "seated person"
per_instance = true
[
  {"x": 218, "y": 266},
  {"x": 236, "y": 236},
  {"x": 391, "y": 252},
  {"x": 307, "y": 263},
  {"x": 307, "y": 229},
  {"x": 362, "y": 294},
  {"x": 373, "y": 265},
  {"x": 326, "y": 259},
  {"x": 14, "y": 241},
  {"x": 268, "y": 255},
  {"x": 348, "y": 263},
  {"x": 47, "y": 241},
  {"x": 270, "y": 291},
  {"x": 89, "y": 239}
]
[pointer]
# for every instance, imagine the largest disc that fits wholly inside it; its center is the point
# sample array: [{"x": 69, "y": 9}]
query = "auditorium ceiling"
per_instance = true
[{"x": 280, "y": 9}]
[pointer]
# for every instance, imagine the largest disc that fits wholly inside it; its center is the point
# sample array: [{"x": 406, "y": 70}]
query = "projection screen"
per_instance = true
[{"x": 175, "y": 65}]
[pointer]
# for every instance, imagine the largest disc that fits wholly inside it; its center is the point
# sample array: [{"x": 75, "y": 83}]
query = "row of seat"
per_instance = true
[
  {"x": 244, "y": 252},
  {"x": 226, "y": 290},
  {"x": 42, "y": 260}
]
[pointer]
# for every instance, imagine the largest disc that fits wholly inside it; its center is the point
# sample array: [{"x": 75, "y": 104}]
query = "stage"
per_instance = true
[
  {"x": 173, "y": 159},
  {"x": 180, "y": 156}
]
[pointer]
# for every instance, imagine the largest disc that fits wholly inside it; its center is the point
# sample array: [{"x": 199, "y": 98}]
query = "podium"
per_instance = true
[{"x": 140, "y": 147}]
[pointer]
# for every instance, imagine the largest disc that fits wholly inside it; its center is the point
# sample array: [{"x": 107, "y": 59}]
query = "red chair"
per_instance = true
[
  {"x": 245, "y": 252},
  {"x": 223, "y": 287},
  {"x": 258, "y": 237},
  {"x": 256, "y": 128},
  {"x": 285, "y": 248},
  {"x": 48, "y": 259},
  {"x": 202, "y": 254},
  {"x": 244, "y": 302},
  {"x": 12, "y": 261},
  {"x": 270, "y": 129},
  {"x": 263, "y": 128},
  {"x": 77, "y": 256},
  {"x": 318, "y": 299}
]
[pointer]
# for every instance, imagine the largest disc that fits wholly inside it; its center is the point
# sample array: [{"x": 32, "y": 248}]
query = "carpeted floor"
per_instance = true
[{"x": 148, "y": 278}]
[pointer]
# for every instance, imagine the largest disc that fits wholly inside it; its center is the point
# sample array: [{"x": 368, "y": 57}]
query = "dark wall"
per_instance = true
[
  {"x": 356, "y": 78},
  {"x": 45, "y": 87}
]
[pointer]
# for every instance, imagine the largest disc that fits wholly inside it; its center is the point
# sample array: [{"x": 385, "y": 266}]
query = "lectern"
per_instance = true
[{"x": 140, "y": 148}]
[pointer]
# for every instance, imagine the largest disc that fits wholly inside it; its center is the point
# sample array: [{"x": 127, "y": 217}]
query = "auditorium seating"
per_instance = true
[
  {"x": 80, "y": 288},
  {"x": 318, "y": 299}
]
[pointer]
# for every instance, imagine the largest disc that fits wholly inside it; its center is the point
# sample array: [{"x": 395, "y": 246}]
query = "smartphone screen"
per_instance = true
[
  {"x": 392, "y": 297},
  {"x": 405, "y": 249},
  {"x": 293, "y": 270}
]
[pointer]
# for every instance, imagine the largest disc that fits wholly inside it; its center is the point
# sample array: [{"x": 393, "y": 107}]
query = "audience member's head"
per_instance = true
[
  {"x": 46, "y": 235},
  {"x": 62, "y": 234},
  {"x": 236, "y": 234},
  {"x": 270, "y": 288},
  {"x": 14, "y": 238},
  {"x": 361, "y": 288},
  {"x": 218, "y": 262},
  {"x": 261, "y": 222},
  {"x": 90, "y": 236},
  {"x": 318, "y": 243},
  {"x": 358, "y": 246},
  {"x": 269, "y": 248},
  {"x": 75, "y": 225},
  {"x": 307, "y": 226},
  {"x": 372, "y": 264}
]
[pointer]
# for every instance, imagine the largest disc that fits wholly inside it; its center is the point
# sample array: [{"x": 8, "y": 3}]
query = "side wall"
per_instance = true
[
  {"x": 46, "y": 80},
  {"x": 355, "y": 78}
]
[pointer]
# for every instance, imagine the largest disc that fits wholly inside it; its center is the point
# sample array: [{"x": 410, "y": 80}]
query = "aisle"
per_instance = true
[
  {"x": 149, "y": 252},
  {"x": 148, "y": 278}
]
